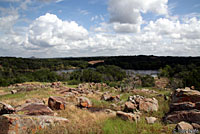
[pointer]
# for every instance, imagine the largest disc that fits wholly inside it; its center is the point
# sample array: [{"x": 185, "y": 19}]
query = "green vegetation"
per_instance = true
[
  {"x": 182, "y": 75},
  {"x": 147, "y": 81},
  {"x": 118, "y": 126},
  {"x": 106, "y": 74},
  {"x": 183, "y": 71},
  {"x": 19, "y": 70}
]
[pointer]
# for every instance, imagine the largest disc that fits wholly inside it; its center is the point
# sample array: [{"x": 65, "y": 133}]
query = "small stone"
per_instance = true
[
  {"x": 128, "y": 116},
  {"x": 84, "y": 102},
  {"x": 13, "y": 91},
  {"x": 151, "y": 120}
]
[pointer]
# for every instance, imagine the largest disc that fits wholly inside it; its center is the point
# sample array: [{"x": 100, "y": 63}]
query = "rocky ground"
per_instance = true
[{"x": 58, "y": 108}]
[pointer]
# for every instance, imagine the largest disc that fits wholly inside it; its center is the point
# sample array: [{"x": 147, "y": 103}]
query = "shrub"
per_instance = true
[
  {"x": 147, "y": 81},
  {"x": 73, "y": 82}
]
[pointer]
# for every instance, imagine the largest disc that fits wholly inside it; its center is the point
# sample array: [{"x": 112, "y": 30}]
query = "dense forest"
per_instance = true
[{"x": 182, "y": 71}]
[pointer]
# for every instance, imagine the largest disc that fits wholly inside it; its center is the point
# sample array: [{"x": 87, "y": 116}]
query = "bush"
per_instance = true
[
  {"x": 147, "y": 81},
  {"x": 114, "y": 84},
  {"x": 73, "y": 82}
]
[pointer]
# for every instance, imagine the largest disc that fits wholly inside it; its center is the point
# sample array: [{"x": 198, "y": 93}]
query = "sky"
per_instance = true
[{"x": 82, "y": 28}]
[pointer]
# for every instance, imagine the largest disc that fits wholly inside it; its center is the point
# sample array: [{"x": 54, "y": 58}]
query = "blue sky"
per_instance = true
[{"x": 65, "y": 28}]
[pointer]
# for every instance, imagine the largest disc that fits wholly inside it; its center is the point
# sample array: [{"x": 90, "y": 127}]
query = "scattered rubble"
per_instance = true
[{"x": 144, "y": 104}]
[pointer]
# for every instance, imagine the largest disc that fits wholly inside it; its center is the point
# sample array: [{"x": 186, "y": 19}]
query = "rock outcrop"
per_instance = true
[
  {"x": 192, "y": 116},
  {"x": 24, "y": 124},
  {"x": 186, "y": 95},
  {"x": 34, "y": 109},
  {"x": 184, "y": 107}
]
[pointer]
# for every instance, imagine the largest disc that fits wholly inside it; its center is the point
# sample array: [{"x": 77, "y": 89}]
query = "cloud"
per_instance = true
[
  {"x": 48, "y": 30},
  {"x": 126, "y": 14},
  {"x": 84, "y": 12},
  {"x": 126, "y": 28},
  {"x": 129, "y": 11},
  {"x": 50, "y": 36}
]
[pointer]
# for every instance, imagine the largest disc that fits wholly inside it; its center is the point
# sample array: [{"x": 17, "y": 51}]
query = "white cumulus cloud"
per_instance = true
[
  {"x": 129, "y": 11},
  {"x": 126, "y": 12},
  {"x": 48, "y": 30}
]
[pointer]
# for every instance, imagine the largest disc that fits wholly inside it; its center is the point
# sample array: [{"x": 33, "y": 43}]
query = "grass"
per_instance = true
[
  {"x": 81, "y": 122},
  {"x": 125, "y": 96},
  {"x": 100, "y": 103},
  {"x": 72, "y": 86},
  {"x": 19, "y": 98},
  {"x": 118, "y": 126}
]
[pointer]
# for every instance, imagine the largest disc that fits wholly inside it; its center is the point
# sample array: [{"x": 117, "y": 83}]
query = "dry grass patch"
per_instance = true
[{"x": 81, "y": 122}]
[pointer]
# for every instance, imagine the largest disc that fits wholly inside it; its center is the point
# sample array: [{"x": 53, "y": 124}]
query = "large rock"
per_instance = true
[
  {"x": 34, "y": 109},
  {"x": 84, "y": 102},
  {"x": 185, "y": 115},
  {"x": 130, "y": 107},
  {"x": 128, "y": 116},
  {"x": 148, "y": 105},
  {"x": 24, "y": 124},
  {"x": 186, "y": 95},
  {"x": 184, "y": 127},
  {"x": 56, "y": 103},
  {"x": 6, "y": 108},
  {"x": 182, "y": 106}
]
